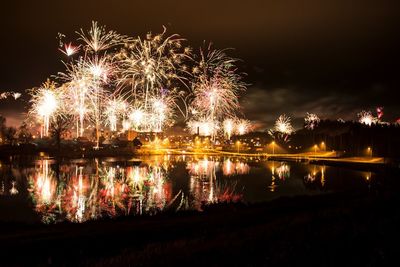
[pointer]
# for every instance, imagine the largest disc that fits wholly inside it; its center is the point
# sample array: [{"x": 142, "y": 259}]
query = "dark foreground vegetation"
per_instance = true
[{"x": 327, "y": 230}]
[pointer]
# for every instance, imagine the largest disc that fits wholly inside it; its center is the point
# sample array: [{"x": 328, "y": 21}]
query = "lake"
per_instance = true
[{"x": 47, "y": 191}]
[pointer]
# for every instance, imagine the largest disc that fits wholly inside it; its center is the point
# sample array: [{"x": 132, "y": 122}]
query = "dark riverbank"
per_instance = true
[
  {"x": 66, "y": 151},
  {"x": 325, "y": 230}
]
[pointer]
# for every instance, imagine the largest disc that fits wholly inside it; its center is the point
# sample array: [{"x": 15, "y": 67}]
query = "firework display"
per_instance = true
[
  {"x": 122, "y": 83},
  {"x": 216, "y": 87},
  {"x": 119, "y": 83}
]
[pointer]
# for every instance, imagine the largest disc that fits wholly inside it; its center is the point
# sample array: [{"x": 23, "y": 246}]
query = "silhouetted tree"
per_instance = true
[
  {"x": 58, "y": 127},
  {"x": 24, "y": 136},
  {"x": 2, "y": 128},
  {"x": 9, "y": 135}
]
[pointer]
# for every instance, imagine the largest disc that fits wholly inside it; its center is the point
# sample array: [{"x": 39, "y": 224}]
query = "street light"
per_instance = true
[
  {"x": 323, "y": 146},
  {"x": 273, "y": 147},
  {"x": 369, "y": 149},
  {"x": 315, "y": 150},
  {"x": 238, "y": 145}
]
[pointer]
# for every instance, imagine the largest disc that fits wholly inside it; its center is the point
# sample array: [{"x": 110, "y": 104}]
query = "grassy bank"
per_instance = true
[{"x": 326, "y": 230}]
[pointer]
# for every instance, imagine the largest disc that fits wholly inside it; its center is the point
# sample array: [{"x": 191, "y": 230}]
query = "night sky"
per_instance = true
[{"x": 330, "y": 57}]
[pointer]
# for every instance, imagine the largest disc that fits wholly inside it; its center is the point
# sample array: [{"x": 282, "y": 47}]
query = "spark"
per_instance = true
[
  {"x": 99, "y": 39},
  {"x": 115, "y": 108},
  {"x": 242, "y": 126},
  {"x": 366, "y": 117},
  {"x": 16, "y": 95},
  {"x": 216, "y": 87},
  {"x": 161, "y": 113},
  {"x": 228, "y": 126},
  {"x": 125, "y": 83},
  {"x": 379, "y": 111},
  {"x": 150, "y": 67},
  {"x": 283, "y": 125},
  {"x": 70, "y": 49},
  {"x": 136, "y": 117},
  {"x": 203, "y": 127},
  {"x": 45, "y": 104},
  {"x": 311, "y": 121}
]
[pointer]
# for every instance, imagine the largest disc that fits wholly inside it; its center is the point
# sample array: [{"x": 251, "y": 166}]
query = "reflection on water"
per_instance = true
[
  {"x": 204, "y": 186},
  {"x": 78, "y": 191},
  {"x": 279, "y": 171},
  {"x": 82, "y": 193}
]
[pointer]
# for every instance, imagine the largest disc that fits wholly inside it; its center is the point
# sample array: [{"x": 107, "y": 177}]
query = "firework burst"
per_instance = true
[
  {"x": 216, "y": 88},
  {"x": 366, "y": 117},
  {"x": 45, "y": 103},
  {"x": 283, "y": 128},
  {"x": 283, "y": 125},
  {"x": 115, "y": 109},
  {"x": 243, "y": 126},
  {"x": 69, "y": 49},
  {"x": 203, "y": 127},
  {"x": 311, "y": 121}
]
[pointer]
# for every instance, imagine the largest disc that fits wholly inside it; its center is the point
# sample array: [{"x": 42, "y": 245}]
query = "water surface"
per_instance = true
[{"x": 85, "y": 189}]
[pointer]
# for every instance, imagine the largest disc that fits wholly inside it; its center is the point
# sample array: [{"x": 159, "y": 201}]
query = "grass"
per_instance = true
[{"x": 323, "y": 230}]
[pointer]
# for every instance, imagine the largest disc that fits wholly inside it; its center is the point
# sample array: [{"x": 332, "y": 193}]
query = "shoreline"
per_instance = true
[{"x": 278, "y": 232}]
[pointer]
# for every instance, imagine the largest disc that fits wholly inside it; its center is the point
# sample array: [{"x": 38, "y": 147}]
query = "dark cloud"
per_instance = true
[{"x": 263, "y": 105}]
